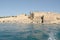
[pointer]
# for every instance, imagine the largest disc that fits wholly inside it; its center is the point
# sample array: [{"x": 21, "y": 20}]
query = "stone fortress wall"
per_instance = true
[
  {"x": 34, "y": 17},
  {"x": 48, "y": 17}
]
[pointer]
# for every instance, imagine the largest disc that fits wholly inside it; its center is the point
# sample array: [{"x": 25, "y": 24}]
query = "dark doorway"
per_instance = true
[{"x": 42, "y": 18}]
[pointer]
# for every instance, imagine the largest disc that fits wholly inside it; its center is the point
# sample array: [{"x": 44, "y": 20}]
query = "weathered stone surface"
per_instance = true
[{"x": 36, "y": 17}]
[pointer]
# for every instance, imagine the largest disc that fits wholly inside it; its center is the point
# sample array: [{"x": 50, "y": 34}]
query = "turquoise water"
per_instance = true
[{"x": 29, "y": 31}]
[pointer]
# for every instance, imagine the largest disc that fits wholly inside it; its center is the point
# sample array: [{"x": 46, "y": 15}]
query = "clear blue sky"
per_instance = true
[{"x": 16, "y": 7}]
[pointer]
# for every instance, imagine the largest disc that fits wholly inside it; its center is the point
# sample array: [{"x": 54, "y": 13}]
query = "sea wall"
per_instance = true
[
  {"x": 18, "y": 19},
  {"x": 48, "y": 17},
  {"x": 34, "y": 17}
]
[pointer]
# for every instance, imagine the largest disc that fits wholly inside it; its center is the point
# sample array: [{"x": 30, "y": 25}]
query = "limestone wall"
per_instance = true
[
  {"x": 49, "y": 17},
  {"x": 19, "y": 19},
  {"x": 23, "y": 19}
]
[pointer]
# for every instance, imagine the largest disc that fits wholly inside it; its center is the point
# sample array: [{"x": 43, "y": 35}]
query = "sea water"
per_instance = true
[{"x": 9, "y": 31}]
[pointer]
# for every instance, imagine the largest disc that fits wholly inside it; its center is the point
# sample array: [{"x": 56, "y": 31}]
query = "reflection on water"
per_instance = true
[{"x": 29, "y": 31}]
